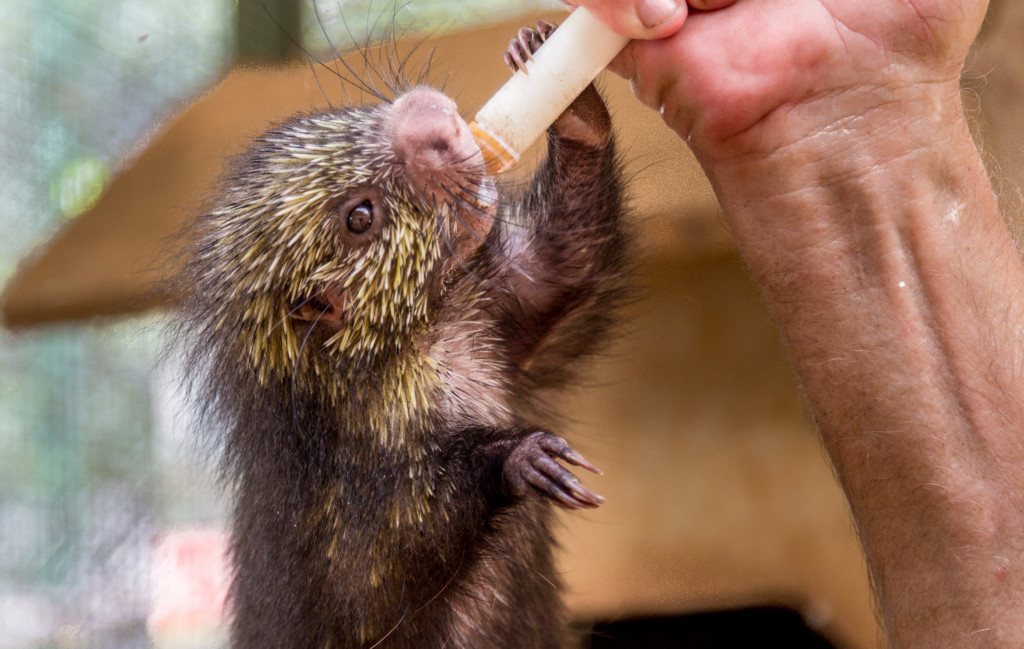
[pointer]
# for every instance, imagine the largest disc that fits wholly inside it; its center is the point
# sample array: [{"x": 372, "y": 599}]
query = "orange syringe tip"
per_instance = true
[{"x": 497, "y": 156}]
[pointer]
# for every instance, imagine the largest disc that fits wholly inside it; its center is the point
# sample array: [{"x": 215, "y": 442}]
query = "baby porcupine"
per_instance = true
[{"x": 373, "y": 333}]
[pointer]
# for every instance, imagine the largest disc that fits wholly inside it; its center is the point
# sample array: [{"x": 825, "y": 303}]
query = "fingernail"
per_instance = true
[{"x": 654, "y": 12}]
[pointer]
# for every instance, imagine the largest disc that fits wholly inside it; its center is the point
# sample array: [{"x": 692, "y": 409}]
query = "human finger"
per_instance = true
[
  {"x": 642, "y": 19},
  {"x": 710, "y": 5}
]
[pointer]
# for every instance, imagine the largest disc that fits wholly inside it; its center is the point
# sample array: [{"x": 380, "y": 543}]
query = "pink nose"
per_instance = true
[{"x": 427, "y": 132}]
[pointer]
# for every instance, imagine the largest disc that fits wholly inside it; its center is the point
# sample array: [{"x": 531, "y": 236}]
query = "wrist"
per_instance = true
[
  {"x": 849, "y": 131},
  {"x": 893, "y": 212},
  {"x": 825, "y": 169}
]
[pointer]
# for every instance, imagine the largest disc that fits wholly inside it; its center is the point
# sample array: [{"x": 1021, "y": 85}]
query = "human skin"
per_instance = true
[{"x": 834, "y": 136}]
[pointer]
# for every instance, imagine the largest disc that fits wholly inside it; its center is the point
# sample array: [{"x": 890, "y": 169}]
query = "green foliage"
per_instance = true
[{"x": 78, "y": 186}]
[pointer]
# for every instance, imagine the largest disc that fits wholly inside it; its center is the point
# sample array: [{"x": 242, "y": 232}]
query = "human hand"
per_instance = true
[{"x": 751, "y": 76}]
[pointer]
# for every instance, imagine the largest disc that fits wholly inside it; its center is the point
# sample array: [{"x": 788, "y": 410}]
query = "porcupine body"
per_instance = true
[{"x": 374, "y": 332}]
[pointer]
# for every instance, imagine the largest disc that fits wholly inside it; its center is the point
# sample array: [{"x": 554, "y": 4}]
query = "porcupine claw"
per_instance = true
[
  {"x": 521, "y": 48},
  {"x": 532, "y": 467}
]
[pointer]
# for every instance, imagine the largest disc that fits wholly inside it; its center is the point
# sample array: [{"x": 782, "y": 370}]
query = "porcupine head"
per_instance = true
[{"x": 329, "y": 250}]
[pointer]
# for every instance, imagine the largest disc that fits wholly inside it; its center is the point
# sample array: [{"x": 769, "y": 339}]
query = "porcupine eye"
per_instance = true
[{"x": 360, "y": 218}]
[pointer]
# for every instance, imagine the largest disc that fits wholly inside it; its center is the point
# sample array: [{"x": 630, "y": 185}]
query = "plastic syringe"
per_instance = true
[{"x": 533, "y": 99}]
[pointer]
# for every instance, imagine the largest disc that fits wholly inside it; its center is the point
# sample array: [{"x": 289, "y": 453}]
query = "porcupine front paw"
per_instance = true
[
  {"x": 531, "y": 468},
  {"x": 586, "y": 120}
]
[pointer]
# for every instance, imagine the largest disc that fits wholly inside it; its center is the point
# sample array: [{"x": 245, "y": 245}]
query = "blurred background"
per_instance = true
[{"x": 109, "y": 516}]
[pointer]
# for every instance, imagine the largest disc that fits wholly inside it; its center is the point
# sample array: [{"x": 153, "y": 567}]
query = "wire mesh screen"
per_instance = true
[
  {"x": 81, "y": 496},
  {"x": 78, "y": 501}
]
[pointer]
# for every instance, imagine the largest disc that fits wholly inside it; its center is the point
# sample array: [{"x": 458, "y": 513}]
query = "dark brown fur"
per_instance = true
[{"x": 365, "y": 515}]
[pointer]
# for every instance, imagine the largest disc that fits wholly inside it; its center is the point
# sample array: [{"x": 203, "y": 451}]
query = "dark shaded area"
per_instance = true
[
  {"x": 754, "y": 627},
  {"x": 267, "y": 31}
]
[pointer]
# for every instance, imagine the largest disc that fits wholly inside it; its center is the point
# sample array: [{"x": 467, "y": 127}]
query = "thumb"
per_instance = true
[{"x": 643, "y": 19}]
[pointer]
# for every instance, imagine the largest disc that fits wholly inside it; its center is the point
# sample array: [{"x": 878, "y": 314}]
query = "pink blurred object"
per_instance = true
[{"x": 190, "y": 581}]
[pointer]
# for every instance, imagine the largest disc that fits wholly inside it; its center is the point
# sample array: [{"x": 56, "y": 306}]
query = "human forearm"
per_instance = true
[
  {"x": 834, "y": 136},
  {"x": 897, "y": 291}
]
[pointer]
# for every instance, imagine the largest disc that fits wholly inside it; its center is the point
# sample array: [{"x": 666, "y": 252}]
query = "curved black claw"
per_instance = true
[
  {"x": 531, "y": 467},
  {"x": 527, "y": 41}
]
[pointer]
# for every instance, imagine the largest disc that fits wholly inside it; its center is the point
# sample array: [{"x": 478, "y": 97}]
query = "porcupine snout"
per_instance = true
[
  {"x": 441, "y": 159},
  {"x": 430, "y": 137}
]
